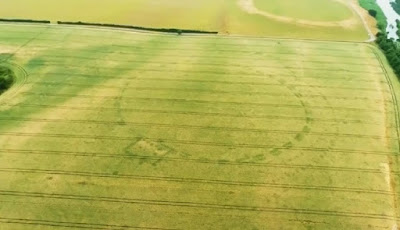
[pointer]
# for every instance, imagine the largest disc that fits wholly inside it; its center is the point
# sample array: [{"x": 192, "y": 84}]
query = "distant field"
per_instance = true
[
  {"x": 225, "y": 16},
  {"x": 117, "y": 130},
  {"x": 307, "y": 9}
]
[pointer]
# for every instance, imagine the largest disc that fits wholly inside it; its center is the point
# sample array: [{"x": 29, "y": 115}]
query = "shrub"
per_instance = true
[
  {"x": 6, "y": 78},
  {"x": 398, "y": 28},
  {"x": 165, "y": 30},
  {"x": 24, "y": 20},
  {"x": 373, "y": 13},
  {"x": 391, "y": 51},
  {"x": 396, "y": 6}
]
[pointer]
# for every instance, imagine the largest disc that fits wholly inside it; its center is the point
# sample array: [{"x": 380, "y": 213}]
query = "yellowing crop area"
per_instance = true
[
  {"x": 307, "y": 9},
  {"x": 107, "y": 129},
  {"x": 321, "y": 19}
]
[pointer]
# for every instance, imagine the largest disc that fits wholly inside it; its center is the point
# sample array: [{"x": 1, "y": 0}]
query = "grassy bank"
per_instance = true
[
  {"x": 380, "y": 16},
  {"x": 391, "y": 50}
]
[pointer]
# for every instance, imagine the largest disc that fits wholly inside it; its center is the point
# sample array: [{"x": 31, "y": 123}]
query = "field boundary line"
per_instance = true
[
  {"x": 181, "y": 100},
  {"x": 371, "y": 36},
  {"x": 264, "y": 45},
  {"x": 195, "y": 160},
  {"x": 36, "y": 36},
  {"x": 193, "y": 142},
  {"x": 193, "y": 113},
  {"x": 197, "y": 90},
  {"x": 136, "y": 47},
  {"x": 243, "y": 51},
  {"x": 141, "y": 50},
  {"x": 182, "y": 126},
  {"x": 204, "y": 63},
  {"x": 243, "y": 73},
  {"x": 80, "y": 225},
  {"x": 199, "y": 181},
  {"x": 392, "y": 183},
  {"x": 265, "y": 67},
  {"x": 393, "y": 95},
  {"x": 250, "y": 57},
  {"x": 198, "y": 205},
  {"x": 254, "y": 76},
  {"x": 199, "y": 35},
  {"x": 205, "y": 82}
]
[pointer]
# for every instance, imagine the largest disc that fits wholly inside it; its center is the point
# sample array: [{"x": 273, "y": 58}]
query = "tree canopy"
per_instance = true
[{"x": 6, "y": 78}]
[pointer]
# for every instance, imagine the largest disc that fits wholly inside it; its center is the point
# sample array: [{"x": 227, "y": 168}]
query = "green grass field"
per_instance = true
[
  {"x": 225, "y": 16},
  {"x": 106, "y": 129}
]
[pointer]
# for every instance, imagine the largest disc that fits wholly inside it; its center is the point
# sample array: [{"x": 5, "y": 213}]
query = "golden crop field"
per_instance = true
[
  {"x": 315, "y": 19},
  {"x": 335, "y": 10},
  {"x": 109, "y": 129}
]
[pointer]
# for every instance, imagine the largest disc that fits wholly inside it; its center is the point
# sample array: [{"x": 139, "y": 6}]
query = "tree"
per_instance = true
[
  {"x": 391, "y": 50},
  {"x": 373, "y": 13},
  {"x": 396, "y": 6},
  {"x": 6, "y": 78}
]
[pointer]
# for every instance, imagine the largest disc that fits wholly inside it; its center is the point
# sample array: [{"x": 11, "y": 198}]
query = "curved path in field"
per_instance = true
[
  {"x": 249, "y": 7},
  {"x": 364, "y": 21},
  {"x": 20, "y": 78}
]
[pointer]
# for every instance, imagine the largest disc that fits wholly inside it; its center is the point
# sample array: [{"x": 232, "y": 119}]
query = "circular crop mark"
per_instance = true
[
  {"x": 7, "y": 78},
  {"x": 249, "y": 7},
  {"x": 313, "y": 10},
  {"x": 12, "y": 78}
]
